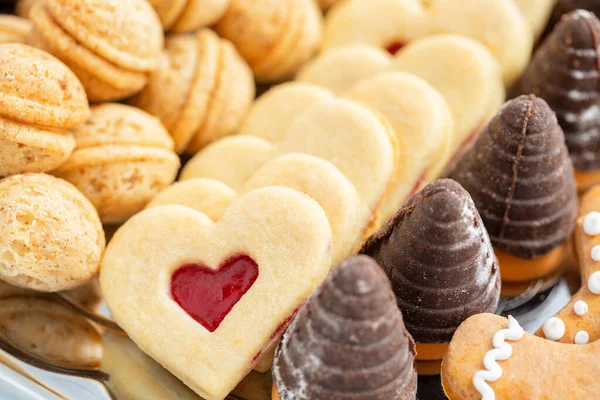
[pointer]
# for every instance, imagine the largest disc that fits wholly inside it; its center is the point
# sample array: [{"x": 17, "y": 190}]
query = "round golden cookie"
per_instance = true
[
  {"x": 276, "y": 37},
  {"x": 123, "y": 158},
  {"x": 201, "y": 92},
  {"x": 200, "y": 13},
  {"x": 23, "y": 7},
  {"x": 13, "y": 29},
  {"x": 537, "y": 12},
  {"x": 52, "y": 238},
  {"x": 102, "y": 42},
  {"x": 340, "y": 68}
]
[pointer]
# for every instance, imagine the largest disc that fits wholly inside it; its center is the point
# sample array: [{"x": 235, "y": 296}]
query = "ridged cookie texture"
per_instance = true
[
  {"x": 101, "y": 41},
  {"x": 123, "y": 158},
  {"x": 437, "y": 254},
  {"x": 189, "y": 15},
  {"x": 348, "y": 338},
  {"x": 521, "y": 179},
  {"x": 13, "y": 29},
  {"x": 565, "y": 73},
  {"x": 52, "y": 235},
  {"x": 41, "y": 99},
  {"x": 201, "y": 92}
]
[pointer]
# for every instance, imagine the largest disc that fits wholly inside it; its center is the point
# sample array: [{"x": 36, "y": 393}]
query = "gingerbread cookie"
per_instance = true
[
  {"x": 350, "y": 136},
  {"x": 391, "y": 24},
  {"x": 101, "y": 42},
  {"x": 348, "y": 338},
  {"x": 13, "y": 29},
  {"x": 465, "y": 74},
  {"x": 41, "y": 99},
  {"x": 163, "y": 256},
  {"x": 564, "y": 72},
  {"x": 442, "y": 266},
  {"x": 50, "y": 331},
  {"x": 521, "y": 179},
  {"x": 341, "y": 68},
  {"x": 489, "y": 360},
  {"x": 123, "y": 158},
  {"x": 52, "y": 236},
  {"x": 201, "y": 92},
  {"x": 189, "y": 15},
  {"x": 577, "y": 321},
  {"x": 276, "y": 37}
]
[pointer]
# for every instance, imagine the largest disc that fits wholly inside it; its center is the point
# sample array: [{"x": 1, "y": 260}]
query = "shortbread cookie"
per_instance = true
[
  {"x": 272, "y": 113},
  {"x": 350, "y": 136},
  {"x": 13, "y": 29},
  {"x": 465, "y": 73},
  {"x": 438, "y": 255},
  {"x": 100, "y": 41},
  {"x": 537, "y": 13},
  {"x": 52, "y": 236},
  {"x": 189, "y": 15},
  {"x": 201, "y": 92},
  {"x": 123, "y": 158},
  {"x": 273, "y": 242},
  {"x": 577, "y": 322},
  {"x": 521, "y": 179},
  {"x": 23, "y": 7},
  {"x": 564, "y": 72},
  {"x": 391, "y": 24},
  {"x": 340, "y": 68},
  {"x": 50, "y": 331},
  {"x": 348, "y": 338},
  {"x": 424, "y": 130},
  {"x": 276, "y": 37},
  {"x": 310, "y": 175},
  {"x": 41, "y": 99},
  {"x": 529, "y": 367}
]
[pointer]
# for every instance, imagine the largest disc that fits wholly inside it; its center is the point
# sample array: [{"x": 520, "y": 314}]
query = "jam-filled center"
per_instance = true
[
  {"x": 207, "y": 294},
  {"x": 394, "y": 47}
]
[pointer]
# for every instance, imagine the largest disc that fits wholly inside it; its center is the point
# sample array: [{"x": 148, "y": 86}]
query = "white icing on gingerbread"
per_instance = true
[
  {"x": 580, "y": 307},
  {"x": 595, "y": 253},
  {"x": 554, "y": 329},
  {"x": 500, "y": 352},
  {"x": 591, "y": 223},
  {"x": 582, "y": 337},
  {"x": 594, "y": 282}
]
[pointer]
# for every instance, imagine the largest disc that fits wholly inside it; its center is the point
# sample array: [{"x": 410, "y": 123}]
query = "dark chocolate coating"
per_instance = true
[
  {"x": 565, "y": 73},
  {"x": 521, "y": 179},
  {"x": 566, "y": 6},
  {"x": 348, "y": 342},
  {"x": 440, "y": 260}
]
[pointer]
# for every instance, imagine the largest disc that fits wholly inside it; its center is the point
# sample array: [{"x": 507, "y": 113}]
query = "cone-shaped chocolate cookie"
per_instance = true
[
  {"x": 348, "y": 341},
  {"x": 440, "y": 260},
  {"x": 521, "y": 179},
  {"x": 565, "y": 73},
  {"x": 566, "y": 6}
]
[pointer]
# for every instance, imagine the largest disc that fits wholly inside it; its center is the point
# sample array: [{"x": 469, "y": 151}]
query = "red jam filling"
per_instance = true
[
  {"x": 394, "y": 47},
  {"x": 208, "y": 295}
]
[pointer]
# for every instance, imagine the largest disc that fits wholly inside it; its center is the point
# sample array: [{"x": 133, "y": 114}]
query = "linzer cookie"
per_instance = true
[
  {"x": 123, "y": 158},
  {"x": 276, "y": 37},
  {"x": 565, "y": 73},
  {"x": 439, "y": 258},
  {"x": 13, "y": 29},
  {"x": 201, "y": 92},
  {"x": 40, "y": 100},
  {"x": 521, "y": 179},
  {"x": 348, "y": 341},
  {"x": 189, "y": 15},
  {"x": 111, "y": 45}
]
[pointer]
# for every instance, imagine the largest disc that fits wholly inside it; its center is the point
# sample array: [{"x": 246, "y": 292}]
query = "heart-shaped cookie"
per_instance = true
[{"x": 273, "y": 244}]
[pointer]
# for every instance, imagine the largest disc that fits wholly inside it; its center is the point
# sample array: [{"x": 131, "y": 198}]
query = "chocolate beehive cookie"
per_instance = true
[
  {"x": 566, "y": 6},
  {"x": 564, "y": 72},
  {"x": 439, "y": 258},
  {"x": 521, "y": 180},
  {"x": 348, "y": 338}
]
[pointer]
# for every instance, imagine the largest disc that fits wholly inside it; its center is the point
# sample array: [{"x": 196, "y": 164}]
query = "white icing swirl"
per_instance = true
[
  {"x": 582, "y": 337},
  {"x": 580, "y": 307},
  {"x": 595, "y": 253},
  {"x": 554, "y": 329},
  {"x": 594, "y": 282},
  {"x": 591, "y": 223},
  {"x": 500, "y": 352}
]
